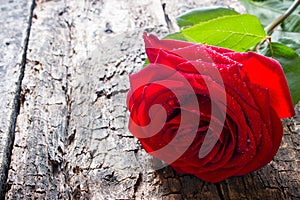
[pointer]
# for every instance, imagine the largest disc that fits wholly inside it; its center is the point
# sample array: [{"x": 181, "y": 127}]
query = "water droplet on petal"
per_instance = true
[{"x": 171, "y": 102}]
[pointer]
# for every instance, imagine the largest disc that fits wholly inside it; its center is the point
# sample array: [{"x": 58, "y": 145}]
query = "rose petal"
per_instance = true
[
  {"x": 152, "y": 41},
  {"x": 256, "y": 96},
  {"x": 267, "y": 73}
]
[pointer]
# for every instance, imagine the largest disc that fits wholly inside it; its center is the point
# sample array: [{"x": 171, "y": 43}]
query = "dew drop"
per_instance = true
[{"x": 171, "y": 102}]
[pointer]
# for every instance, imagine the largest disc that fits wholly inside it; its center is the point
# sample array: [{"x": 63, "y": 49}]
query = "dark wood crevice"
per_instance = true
[{"x": 17, "y": 101}]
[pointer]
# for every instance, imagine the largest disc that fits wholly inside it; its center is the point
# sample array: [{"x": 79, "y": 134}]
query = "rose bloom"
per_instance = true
[{"x": 208, "y": 111}]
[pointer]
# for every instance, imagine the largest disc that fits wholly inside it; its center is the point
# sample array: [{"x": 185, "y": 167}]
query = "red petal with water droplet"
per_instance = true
[
  {"x": 256, "y": 97},
  {"x": 267, "y": 73}
]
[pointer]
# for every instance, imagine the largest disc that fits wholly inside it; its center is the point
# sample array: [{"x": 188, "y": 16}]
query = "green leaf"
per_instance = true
[
  {"x": 147, "y": 62},
  {"x": 290, "y": 39},
  {"x": 279, "y": 50},
  {"x": 290, "y": 43},
  {"x": 199, "y": 15},
  {"x": 268, "y": 10},
  {"x": 290, "y": 62},
  {"x": 292, "y": 23},
  {"x": 237, "y": 32},
  {"x": 177, "y": 36}
]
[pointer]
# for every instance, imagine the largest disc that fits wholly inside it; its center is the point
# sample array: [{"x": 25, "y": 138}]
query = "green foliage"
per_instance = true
[
  {"x": 290, "y": 39},
  {"x": 279, "y": 50},
  {"x": 268, "y": 10},
  {"x": 147, "y": 62},
  {"x": 286, "y": 42},
  {"x": 219, "y": 26},
  {"x": 197, "y": 16},
  {"x": 178, "y": 36},
  {"x": 291, "y": 43},
  {"x": 237, "y": 32},
  {"x": 290, "y": 61}
]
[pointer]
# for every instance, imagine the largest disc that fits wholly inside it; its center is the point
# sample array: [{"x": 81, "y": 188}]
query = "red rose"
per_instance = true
[{"x": 208, "y": 111}]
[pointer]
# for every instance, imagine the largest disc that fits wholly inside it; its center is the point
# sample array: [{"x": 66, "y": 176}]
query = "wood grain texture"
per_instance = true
[
  {"x": 15, "y": 25},
  {"x": 72, "y": 140}
]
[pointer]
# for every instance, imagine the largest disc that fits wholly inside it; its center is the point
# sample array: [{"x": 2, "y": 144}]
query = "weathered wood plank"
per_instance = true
[
  {"x": 15, "y": 26},
  {"x": 42, "y": 122},
  {"x": 60, "y": 114},
  {"x": 72, "y": 139}
]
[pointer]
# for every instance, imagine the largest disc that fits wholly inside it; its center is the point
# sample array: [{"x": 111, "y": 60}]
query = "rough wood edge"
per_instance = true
[{"x": 8, "y": 144}]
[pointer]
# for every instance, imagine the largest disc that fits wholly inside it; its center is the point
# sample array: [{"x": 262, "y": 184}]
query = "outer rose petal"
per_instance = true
[
  {"x": 267, "y": 73},
  {"x": 184, "y": 51},
  {"x": 257, "y": 96},
  {"x": 152, "y": 41}
]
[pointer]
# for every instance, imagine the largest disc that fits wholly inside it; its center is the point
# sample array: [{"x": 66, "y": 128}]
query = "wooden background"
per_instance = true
[{"x": 64, "y": 68}]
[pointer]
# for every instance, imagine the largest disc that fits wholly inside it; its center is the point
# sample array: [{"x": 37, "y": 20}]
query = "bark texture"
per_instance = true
[{"x": 71, "y": 137}]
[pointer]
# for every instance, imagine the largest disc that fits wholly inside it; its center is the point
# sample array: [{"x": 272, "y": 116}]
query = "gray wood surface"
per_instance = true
[
  {"x": 15, "y": 26},
  {"x": 71, "y": 137}
]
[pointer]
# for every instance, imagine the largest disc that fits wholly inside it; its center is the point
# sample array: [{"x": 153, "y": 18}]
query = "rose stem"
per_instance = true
[{"x": 269, "y": 29}]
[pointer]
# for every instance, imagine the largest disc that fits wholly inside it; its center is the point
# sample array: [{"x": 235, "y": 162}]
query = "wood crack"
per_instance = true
[
  {"x": 136, "y": 185},
  {"x": 220, "y": 192},
  {"x": 167, "y": 19},
  {"x": 16, "y": 107}
]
